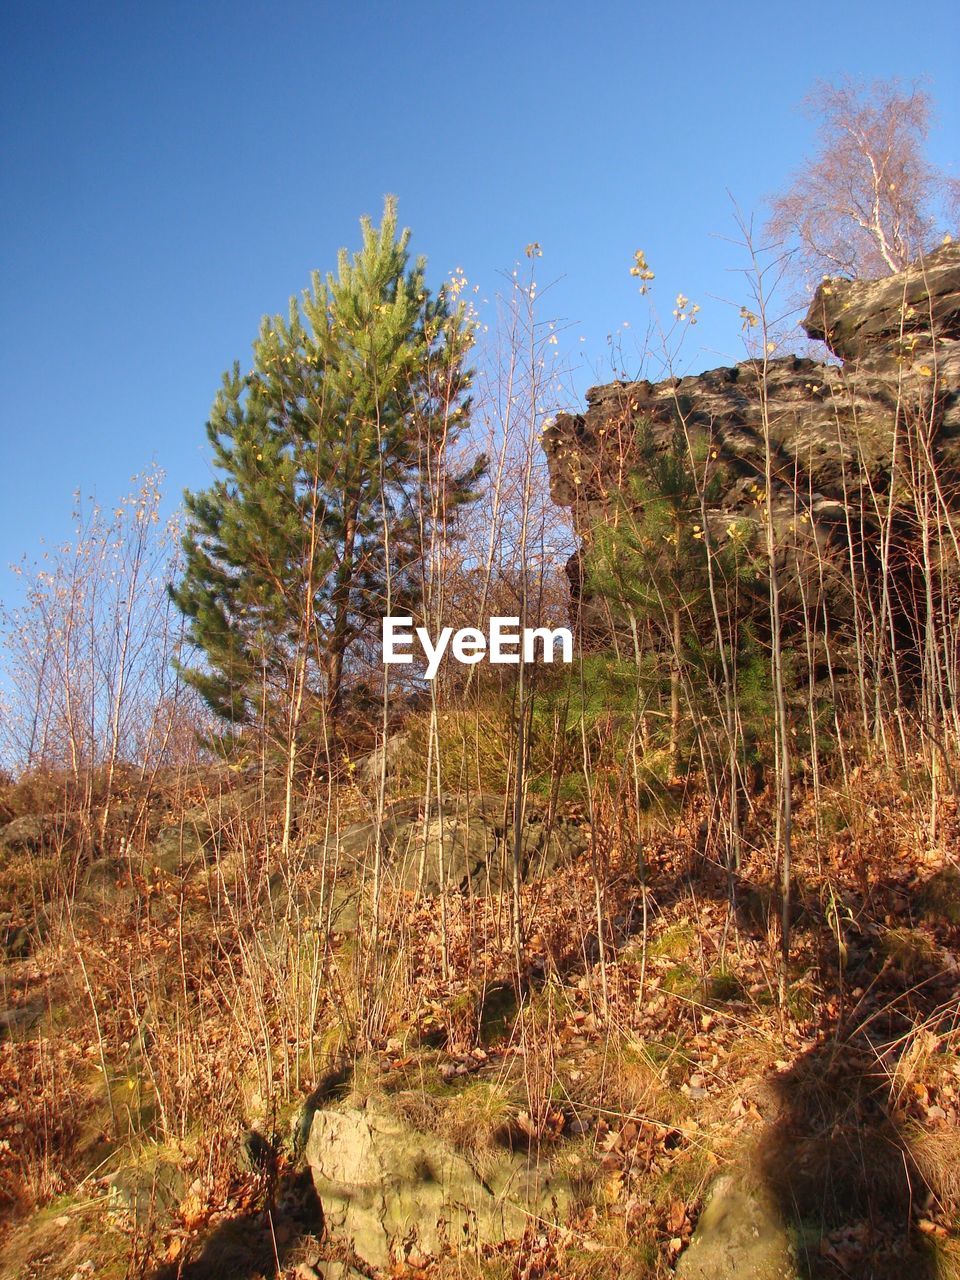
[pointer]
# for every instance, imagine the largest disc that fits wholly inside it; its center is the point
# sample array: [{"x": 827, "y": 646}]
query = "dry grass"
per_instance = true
[{"x": 221, "y": 1004}]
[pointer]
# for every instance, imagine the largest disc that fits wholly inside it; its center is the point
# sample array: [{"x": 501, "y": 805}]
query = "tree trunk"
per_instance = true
[{"x": 341, "y": 617}]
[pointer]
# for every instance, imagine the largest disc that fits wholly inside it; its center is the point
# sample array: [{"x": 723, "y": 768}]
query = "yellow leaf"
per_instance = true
[{"x": 612, "y": 1188}]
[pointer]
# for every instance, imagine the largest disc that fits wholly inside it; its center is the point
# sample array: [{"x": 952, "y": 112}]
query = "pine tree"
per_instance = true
[
  {"x": 677, "y": 593},
  {"x": 331, "y": 452}
]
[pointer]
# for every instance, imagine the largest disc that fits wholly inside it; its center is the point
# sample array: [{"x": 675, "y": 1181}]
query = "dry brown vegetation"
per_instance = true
[{"x": 752, "y": 964}]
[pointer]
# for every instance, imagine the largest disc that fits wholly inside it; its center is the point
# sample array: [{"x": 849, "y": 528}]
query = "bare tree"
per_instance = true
[
  {"x": 869, "y": 201},
  {"x": 86, "y": 663}
]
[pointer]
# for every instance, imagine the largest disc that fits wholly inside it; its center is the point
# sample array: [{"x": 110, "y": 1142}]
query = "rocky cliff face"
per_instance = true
[{"x": 843, "y": 436}]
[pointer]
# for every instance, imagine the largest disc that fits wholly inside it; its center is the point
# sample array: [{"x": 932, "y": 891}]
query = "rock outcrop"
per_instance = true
[
  {"x": 384, "y": 1184},
  {"x": 837, "y": 432},
  {"x": 35, "y": 835},
  {"x": 892, "y": 323},
  {"x": 465, "y": 843}
]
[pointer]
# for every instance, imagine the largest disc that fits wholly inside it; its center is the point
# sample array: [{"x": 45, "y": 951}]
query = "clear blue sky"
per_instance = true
[{"x": 172, "y": 171}]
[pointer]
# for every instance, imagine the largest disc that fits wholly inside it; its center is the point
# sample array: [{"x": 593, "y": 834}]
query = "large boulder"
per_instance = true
[
  {"x": 36, "y": 834},
  {"x": 739, "y": 1237},
  {"x": 463, "y": 842},
  {"x": 384, "y": 1184},
  {"x": 891, "y": 318},
  {"x": 149, "y": 1188},
  {"x": 198, "y": 833}
]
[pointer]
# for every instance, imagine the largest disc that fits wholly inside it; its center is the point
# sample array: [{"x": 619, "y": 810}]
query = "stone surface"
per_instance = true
[
  {"x": 201, "y": 831},
  {"x": 892, "y": 316},
  {"x": 333, "y": 1271},
  {"x": 16, "y": 938},
  {"x": 384, "y": 1184},
  {"x": 192, "y": 838},
  {"x": 21, "y": 1018},
  {"x": 464, "y": 843},
  {"x": 382, "y": 761},
  {"x": 147, "y": 1190},
  {"x": 33, "y": 834},
  {"x": 739, "y": 1237}
]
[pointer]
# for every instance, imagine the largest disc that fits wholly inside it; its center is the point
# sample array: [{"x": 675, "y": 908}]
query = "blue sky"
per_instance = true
[{"x": 171, "y": 172}]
